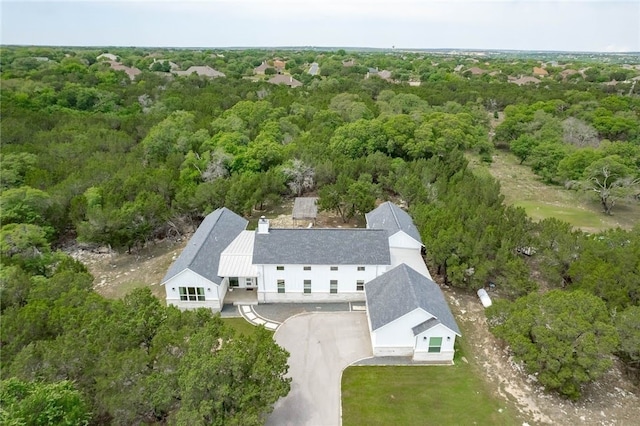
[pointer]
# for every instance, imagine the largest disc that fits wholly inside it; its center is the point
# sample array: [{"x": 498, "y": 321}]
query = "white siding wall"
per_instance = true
[
  {"x": 320, "y": 276},
  {"x": 396, "y": 338},
  {"x": 403, "y": 240},
  {"x": 188, "y": 278},
  {"x": 446, "y": 350}
]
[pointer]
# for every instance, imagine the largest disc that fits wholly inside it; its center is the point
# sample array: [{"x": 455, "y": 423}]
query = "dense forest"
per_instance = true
[{"x": 122, "y": 149}]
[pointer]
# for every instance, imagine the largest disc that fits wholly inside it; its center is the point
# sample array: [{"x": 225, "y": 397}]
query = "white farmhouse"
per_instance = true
[
  {"x": 382, "y": 265},
  {"x": 317, "y": 264}
]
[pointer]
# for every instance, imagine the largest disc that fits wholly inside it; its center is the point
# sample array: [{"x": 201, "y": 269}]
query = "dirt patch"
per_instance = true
[
  {"x": 116, "y": 274},
  {"x": 612, "y": 400}
]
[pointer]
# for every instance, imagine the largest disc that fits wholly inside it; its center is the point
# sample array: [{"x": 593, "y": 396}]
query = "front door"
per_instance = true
[{"x": 233, "y": 282}]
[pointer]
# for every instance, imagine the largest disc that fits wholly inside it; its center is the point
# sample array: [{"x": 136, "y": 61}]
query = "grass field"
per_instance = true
[
  {"x": 419, "y": 395},
  {"x": 240, "y": 325},
  {"x": 427, "y": 395},
  {"x": 521, "y": 187}
]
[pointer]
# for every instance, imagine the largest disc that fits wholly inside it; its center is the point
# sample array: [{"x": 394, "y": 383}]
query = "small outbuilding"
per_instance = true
[{"x": 305, "y": 208}]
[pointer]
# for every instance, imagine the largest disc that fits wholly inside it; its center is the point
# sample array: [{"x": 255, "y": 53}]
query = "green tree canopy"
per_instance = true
[{"x": 564, "y": 338}]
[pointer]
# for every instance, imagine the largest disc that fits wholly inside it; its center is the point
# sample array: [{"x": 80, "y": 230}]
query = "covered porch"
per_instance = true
[
  {"x": 240, "y": 275},
  {"x": 241, "y": 296}
]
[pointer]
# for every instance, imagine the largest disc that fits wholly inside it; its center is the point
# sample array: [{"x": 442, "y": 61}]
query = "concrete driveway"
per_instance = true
[{"x": 321, "y": 346}]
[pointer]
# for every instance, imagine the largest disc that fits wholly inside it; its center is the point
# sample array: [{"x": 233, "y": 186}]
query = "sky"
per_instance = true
[{"x": 560, "y": 25}]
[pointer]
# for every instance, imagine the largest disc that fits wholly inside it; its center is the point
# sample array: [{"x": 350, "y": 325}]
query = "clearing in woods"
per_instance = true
[{"x": 521, "y": 187}]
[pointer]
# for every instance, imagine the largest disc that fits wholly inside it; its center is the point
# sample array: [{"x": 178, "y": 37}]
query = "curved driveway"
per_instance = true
[{"x": 321, "y": 346}]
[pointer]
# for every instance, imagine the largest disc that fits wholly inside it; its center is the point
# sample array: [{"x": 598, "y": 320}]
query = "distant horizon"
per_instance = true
[
  {"x": 326, "y": 48},
  {"x": 513, "y": 25}
]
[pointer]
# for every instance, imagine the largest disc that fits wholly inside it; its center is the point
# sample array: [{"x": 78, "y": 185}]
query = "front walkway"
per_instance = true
[
  {"x": 248, "y": 312},
  {"x": 271, "y": 315}
]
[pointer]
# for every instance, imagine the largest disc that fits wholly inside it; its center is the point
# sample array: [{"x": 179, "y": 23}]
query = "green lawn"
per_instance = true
[
  {"x": 240, "y": 325},
  {"x": 420, "y": 395},
  {"x": 576, "y": 216}
]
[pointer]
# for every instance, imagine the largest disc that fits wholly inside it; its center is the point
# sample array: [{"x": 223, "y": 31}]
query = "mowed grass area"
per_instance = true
[
  {"x": 459, "y": 394},
  {"x": 521, "y": 187},
  {"x": 240, "y": 325},
  {"x": 419, "y": 395}
]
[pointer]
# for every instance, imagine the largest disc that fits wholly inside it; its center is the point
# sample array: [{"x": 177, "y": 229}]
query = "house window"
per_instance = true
[
  {"x": 279, "y": 268},
  {"x": 192, "y": 294},
  {"x": 333, "y": 286},
  {"x": 435, "y": 343},
  {"x": 334, "y": 268},
  {"x": 307, "y": 286},
  {"x": 233, "y": 282},
  {"x": 360, "y": 268},
  {"x": 360, "y": 285},
  {"x": 306, "y": 268},
  {"x": 280, "y": 286}
]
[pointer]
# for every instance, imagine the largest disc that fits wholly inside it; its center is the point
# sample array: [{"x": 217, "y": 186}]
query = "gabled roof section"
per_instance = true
[
  {"x": 202, "y": 253},
  {"x": 393, "y": 219},
  {"x": 402, "y": 290},
  {"x": 319, "y": 246}
]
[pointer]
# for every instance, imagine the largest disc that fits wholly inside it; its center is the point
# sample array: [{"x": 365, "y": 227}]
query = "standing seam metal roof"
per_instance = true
[
  {"x": 202, "y": 253},
  {"x": 402, "y": 290},
  {"x": 392, "y": 218},
  {"x": 322, "y": 246}
]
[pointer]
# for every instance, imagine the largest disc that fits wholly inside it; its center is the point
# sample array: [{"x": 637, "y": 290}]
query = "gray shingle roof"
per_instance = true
[
  {"x": 316, "y": 246},
  {"x": 400, "y": 291},
  {"x": 202, "y": 253},
  {"x": 424, "y": 326},
  {"x": 392, "y": 218}
]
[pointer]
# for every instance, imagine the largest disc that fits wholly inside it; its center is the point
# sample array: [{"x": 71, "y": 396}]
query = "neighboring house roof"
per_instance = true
[
  {"x": 384, "y": 74},
  {"x": 260, "y": 69},
  {"x": 236, "y": 259},
  {"x": 540, "y": 71},
  {"x": 130, "y": 71},
  {"x": 202, "y": 70},
  {"x": 523, "y": 80},
  {"x": 279, "y": 64},
  {"x": 285, "y": 79},
  {"x": 393, "y": 219},
  {"x": 202, "y": 253},
  {"x": 109, "y": 56},
  {"x": 172, "y": 65},
  {"x": 320, "y": 246},
  {"x": 476, "y": 71},
  {"x": 348, "y": 63},
  {"x": 403, "y": 290}
]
